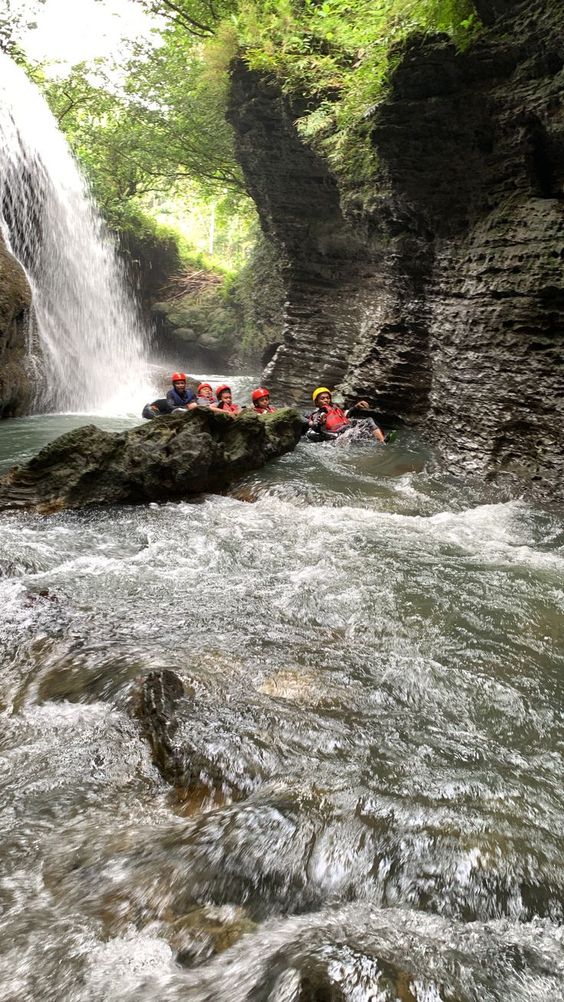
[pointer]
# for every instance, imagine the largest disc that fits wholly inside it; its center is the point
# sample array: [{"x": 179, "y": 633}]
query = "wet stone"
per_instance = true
[{"x": 170, "y": 458}]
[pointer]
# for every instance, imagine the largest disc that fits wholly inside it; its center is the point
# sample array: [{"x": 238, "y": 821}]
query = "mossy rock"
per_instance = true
[{"x": 170, "y": 458}]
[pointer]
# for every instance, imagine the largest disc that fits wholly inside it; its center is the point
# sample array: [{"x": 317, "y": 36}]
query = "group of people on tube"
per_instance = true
[{"x": 327, "y": 421}]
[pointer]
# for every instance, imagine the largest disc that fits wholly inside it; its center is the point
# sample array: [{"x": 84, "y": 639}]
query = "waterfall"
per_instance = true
[{"x": 88, "y": 331}]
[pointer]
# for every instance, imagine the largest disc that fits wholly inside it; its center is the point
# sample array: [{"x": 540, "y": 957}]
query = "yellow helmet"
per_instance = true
[{"x": 320, "y": 389}]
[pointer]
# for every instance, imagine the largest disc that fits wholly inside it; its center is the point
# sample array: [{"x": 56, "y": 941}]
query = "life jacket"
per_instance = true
[
  {"x": 180, "y": 399},
  {"x": 230, "y": 408},
  {"x": 336, "y": 419},
  {"x": 265, "y": 410}
]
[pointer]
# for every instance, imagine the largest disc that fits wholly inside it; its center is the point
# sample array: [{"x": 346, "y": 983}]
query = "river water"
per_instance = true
[{"x": 376, "y": 651}]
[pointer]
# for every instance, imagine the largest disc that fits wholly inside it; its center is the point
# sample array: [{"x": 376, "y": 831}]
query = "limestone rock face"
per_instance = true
[
  {"x": 15, "y": 300},
  {"x": 169, "y": 458},
  {"x": 439, "y": 290}
]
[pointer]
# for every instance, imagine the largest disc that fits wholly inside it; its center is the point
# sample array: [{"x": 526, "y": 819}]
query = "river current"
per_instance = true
[{"x": 376, "y": 650}]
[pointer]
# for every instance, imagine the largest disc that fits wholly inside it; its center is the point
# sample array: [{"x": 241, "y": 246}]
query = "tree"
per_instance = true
[{"x": 199, "y": 18}]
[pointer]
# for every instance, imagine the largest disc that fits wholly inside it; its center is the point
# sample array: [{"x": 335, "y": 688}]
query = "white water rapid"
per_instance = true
[{"x": 91, "y": 341}]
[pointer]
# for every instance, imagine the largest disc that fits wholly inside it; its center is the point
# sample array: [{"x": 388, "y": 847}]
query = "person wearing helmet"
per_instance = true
[
  {"x": 179, "y": 396},
  {"x": 225, "y": 400},
  {"x": 329, "y": 420},
  {"x": 261, "y": 401},
  {"x": 205, "y": 397}
]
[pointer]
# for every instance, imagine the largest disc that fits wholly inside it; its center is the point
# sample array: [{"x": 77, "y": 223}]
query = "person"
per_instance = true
[
  {"x": 261, "y": 401},
  {"x": 225, "y": 400},
  {"x": 179, "y": 397},
  {"x": 160, "y": 406},
  {"x": 330, "y": 420},
  {"x": 205, "y": 397}
]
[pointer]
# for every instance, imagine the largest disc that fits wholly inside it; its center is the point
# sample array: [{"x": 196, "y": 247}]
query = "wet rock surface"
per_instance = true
[
  {"x": 436, "y": 290},
  {"x": 15, "y": 301},
  {"x": 169, "y": 458}
]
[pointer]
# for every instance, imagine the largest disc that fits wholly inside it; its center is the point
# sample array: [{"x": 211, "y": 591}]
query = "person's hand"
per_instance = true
[{"x": 363, "y": 404}]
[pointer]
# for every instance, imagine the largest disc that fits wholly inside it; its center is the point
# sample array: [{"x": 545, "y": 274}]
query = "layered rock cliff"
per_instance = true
[
  {"x": 15, "y": 300},
  {"x": 438, "y": 292}
]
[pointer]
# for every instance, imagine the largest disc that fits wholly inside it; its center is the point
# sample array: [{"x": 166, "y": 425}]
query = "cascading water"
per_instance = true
[{"x": 91, "y": 338}]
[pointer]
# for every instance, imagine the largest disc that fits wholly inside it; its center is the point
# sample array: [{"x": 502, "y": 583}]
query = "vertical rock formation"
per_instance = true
[
  {"x": 15, "y": 300},
  {"x": 440, "y": 292}
]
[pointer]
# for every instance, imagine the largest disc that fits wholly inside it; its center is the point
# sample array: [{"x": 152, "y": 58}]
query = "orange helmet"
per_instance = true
[
  {"x": 259, "y": 393},
  {"x": 221, "y": 389},
  {"x": 203, "y": 386},
  {"x": 178, "y": 377}
]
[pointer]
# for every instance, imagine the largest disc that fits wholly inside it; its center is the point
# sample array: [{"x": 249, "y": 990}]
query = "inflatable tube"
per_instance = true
[
  {"x": 320, "y": 436},
  {"x": 328, "y": 436},
  {"x": 155, "y": 409}
]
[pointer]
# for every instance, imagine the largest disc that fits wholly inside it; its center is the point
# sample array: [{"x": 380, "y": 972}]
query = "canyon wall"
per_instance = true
[{"x": 437, "y": 290}]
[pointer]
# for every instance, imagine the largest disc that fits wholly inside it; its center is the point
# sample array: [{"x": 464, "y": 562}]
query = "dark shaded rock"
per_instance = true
[
  {"x": 437, "y": 289},
  {"x": 490, "y": 10},
  {"x": 200, "y": 326},
  {"x": 151, "y": 261},
  {"x": 161, "y": 694},
  {"x": 16, "y": 390},
  {"x": 298, "y": 201},
  {"x": 169, "y": 458}
]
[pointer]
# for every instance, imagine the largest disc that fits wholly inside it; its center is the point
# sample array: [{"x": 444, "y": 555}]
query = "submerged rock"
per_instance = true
[
  {"x": 169, "y": 458},
  {"x": 207, "y": 930}
]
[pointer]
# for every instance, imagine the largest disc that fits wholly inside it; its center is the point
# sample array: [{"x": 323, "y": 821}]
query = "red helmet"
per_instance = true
[
  {"x": 178, "y": 377},
  {"x": 221, "y": 389},
  {"x": 202, "y": 386},
  {"x": 259, "y": 393}
]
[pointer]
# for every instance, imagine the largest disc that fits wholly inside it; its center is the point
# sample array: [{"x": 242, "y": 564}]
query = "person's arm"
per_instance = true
[
  {"x": 318, "y": 418},
  {"x": 378, "y": 433}
]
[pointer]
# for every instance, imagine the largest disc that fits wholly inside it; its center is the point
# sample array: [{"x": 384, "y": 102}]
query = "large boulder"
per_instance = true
[
  {"x": 169, "y": 458},
  {"x": 15, "y": 300}
]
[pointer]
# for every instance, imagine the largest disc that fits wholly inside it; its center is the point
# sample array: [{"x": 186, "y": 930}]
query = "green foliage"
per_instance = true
[
  {"x": 155, "y": 142},
  {"x": 337, "y": 55},
  {"x": 198, "y": 18},
  {"x": 165, "y": 124}
]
